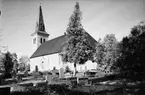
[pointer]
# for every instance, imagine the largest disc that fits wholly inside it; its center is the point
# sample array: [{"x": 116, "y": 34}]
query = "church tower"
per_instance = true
[{"x": 40, "y": 35}]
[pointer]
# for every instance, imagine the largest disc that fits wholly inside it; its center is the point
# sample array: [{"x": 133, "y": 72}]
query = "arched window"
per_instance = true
[
  {"x": 34, "y": 40},
  {"x": 41, "y": 40}
]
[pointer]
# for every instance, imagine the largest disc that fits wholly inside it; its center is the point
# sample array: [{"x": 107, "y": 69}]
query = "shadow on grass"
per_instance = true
[
  {"x": 26, "y": 93},
  {"x": 138, "y": 89}
]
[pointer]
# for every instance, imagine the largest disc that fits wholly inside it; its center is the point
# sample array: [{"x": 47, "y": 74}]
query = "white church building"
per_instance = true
[{"x": 46, "y": 55}]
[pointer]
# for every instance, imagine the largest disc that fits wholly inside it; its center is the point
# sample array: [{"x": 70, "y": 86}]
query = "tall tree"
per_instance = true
[
  {"x": 100, "y": 53},
  {"x": 2, "y": 67},
  {"x": 15, "y": 65},
  {"x": 24, "y": 63},
  {"x": 107, "y": 52},
  {"x": 77, "y": 49},
  {"x": 8, "y": 64},
  {"x": 133, "y": 50}
]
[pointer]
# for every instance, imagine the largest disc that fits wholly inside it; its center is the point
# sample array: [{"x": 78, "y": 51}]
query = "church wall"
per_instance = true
[
  {"x": 87, "y": 66},
  {"x": 48, "y": 62},
  {"x": 45, "y": 63}
]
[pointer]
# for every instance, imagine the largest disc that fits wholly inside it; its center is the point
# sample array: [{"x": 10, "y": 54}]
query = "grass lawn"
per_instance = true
[{"x": 60, "y": 89}]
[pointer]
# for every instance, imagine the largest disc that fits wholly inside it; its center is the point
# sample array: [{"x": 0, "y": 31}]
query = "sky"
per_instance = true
[{"x": 99, "y": 17}]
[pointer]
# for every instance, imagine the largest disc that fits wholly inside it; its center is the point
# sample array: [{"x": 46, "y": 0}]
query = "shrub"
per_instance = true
[
  {"x": 62, "y": 89},
  {"x": 30, "y": 90},
  {"x": 67, "y": 69},
  {"x": 17, "y": 88},
  {"x": 54, "y": 89}
]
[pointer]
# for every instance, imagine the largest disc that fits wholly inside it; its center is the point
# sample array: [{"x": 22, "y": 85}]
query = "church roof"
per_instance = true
[
  {"x": 50, "y": 47},
  {"x": 56, "y": 45}
]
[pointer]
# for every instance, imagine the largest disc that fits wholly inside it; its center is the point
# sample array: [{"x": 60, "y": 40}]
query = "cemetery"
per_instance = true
[
  {"x": 103, "y": 67},
  {"x": 50, "y": 84}
]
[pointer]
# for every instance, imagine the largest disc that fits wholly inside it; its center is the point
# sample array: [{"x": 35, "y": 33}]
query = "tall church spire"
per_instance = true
[
  {"x": 40, "y": 26},
  {"x": 40, "y": 35}
]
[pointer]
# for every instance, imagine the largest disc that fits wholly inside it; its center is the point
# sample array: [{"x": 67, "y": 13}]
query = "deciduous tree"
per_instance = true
[
  {"x": 133, "y": 50},
  {"x": 15, "y": 65},
  {"x": 107, "y": 52},
  {"x": 24, "y": 63}
]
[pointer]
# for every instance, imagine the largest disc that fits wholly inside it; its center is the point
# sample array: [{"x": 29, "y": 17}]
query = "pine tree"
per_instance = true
[{"x": 78, "y": 49}]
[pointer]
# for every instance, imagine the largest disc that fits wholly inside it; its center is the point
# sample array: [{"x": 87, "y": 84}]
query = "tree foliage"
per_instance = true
[
  {"x": 24, "y": 63},
  {"x": 77, "y": 49},
  {"x": 15, "y": 65},
  {"x": 67, "y": 69},
  {"x": 133, "y": 50},
  {"x": 8, "y": 64},
  {"x": 100, "y": 53},
  {"x": 107, "y": 52},
  {"x": 2, "y": 67}
]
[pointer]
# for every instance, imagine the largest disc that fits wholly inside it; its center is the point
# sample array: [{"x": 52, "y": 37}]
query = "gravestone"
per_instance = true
[
  {"x": 48, "y": 78},
  {"x": 61, "y": 73},
  {"x": 77, "y": 79}
]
